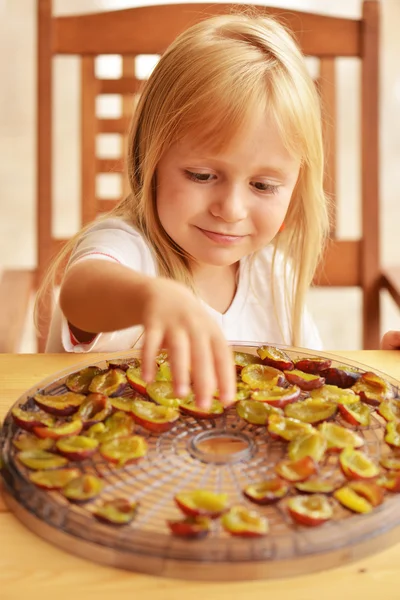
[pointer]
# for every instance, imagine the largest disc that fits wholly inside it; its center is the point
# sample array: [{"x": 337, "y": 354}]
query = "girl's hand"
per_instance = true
[
  {"x": 391, "y": 341},
  {"x": 197, "y": 351}
]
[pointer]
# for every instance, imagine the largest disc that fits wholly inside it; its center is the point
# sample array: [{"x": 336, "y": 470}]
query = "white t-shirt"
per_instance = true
[{"x": 250, "y": 318}]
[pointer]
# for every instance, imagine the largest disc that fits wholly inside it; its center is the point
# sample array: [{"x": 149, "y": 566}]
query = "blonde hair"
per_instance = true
[{"x": 207, "y": 83}]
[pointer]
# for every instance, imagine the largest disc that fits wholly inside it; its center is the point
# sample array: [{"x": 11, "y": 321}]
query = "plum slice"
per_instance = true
[
  {"x": 164, "y": 372},
  {"x": 341, "y": 376},
  {"x": 77, "y": 447},
  {"x": 392, "y": 437},
  {"x": 333, "y": 393},
  {"x": 152, "y": 417},
  {"x": 27, "y": 441},
  {"x": 256, "y": 413},
  {"x": 360, "y": 496},
  {"x": 59, "y": 430},
  {"x": 163, "y": 393},
  {"x": 284, "y": 428},
  {"x": 305, "y": 381},
  {"x": 134, "y": 377},
  {"x": 243, "y": 359},
  {"x": 311, "y": 410},
  {"x": 391, "y": 462},
  {"x": 124, "y": 450},
  {"x": 390, "y": 481},
  {"x": 356, "y": 413},
  {"x": 109, "y": 383},
  {"x": 368, "y": 490},
  {"x": 120, "y": 403},
  {"x": 83, "y": 488},
  {"x": 373, "y": 389},
  {"x": 123, "y": 364},
  {"x": 202, "y": 503},
  {"x": 242, "y": 522},
  {"x": 62, "y": 405},
  {"x": 94, "y": 409},
  {"x": 274, "y": 357},
  {"x": 261, "y": 377},
  {"x": 191, "y": 527},
  {"x": 316, "y": 486},
  {"x": 266, "y": 492},
  {"x": 190, "y": 408},
  {"x": 118, "y": 511},
  {"x": 41, "y": 460},
  {"x": 311, "y": 511},
  {"x": 338, "y": 437},
  {"x": 313, "y": 365},
  {"x": 120, "y": 424},
  {"x": 298, "y": 470},
  {"x": 54, "y": 480},
  {"x": 310, "y": 444},
  {"x": 390, "y": 410},
  {"x": 28, "y": 419},
  {"x": 79, "y": 382},
  {"x": 357, "y": 465},
  {"x": 277, "y": 396}
]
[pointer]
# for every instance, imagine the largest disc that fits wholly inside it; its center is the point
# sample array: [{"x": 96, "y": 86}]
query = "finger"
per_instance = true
[
  {"x": 153, "y": 339},
  {"x": 178, "y": 347},
  {"x": 391, "y": 341},
  {"x": 225, "y": 371},
  {"x": 203, "y": 371}
]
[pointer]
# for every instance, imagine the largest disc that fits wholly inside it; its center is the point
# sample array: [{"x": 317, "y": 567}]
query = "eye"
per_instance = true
[
  {"x": 265, "y": 187},
  {"x": 199, "y": 177}
]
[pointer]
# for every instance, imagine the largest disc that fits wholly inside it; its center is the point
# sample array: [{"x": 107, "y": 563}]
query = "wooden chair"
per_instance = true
[{"x": 149, "y": 30}]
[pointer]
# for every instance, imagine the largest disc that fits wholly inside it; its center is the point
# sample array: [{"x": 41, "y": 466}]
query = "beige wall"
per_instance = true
[{"x": 336, "y": 311}]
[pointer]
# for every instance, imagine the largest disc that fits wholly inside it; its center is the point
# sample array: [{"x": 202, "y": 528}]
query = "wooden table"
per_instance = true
[{"x": 31, "y": 568}]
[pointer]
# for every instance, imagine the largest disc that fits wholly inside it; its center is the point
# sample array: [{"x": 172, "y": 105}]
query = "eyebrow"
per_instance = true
[{"x": 264, "y": 170}]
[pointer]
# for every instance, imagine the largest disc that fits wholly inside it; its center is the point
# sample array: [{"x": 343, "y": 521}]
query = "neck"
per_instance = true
[{"x": 216, "y": 285}]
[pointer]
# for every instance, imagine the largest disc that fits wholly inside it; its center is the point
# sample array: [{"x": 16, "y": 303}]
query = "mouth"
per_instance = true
[{"x": 221, "y": 238}]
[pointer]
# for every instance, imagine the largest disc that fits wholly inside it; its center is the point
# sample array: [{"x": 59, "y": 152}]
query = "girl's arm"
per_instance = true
[{"x": 98, "y": 296}]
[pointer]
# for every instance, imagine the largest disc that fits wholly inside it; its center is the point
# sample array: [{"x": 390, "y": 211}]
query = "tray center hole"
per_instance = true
[{"x": 221, "y": 446}]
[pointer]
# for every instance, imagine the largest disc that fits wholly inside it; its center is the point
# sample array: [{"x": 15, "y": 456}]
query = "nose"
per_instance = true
[{"x": 230, "y": 204}]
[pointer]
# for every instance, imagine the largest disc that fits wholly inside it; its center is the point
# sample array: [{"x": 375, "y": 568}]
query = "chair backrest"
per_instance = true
[{"x": 149, "y": 30}]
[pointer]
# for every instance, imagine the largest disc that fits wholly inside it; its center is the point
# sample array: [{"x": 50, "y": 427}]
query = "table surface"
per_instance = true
[{"x": 33, "y": 568}]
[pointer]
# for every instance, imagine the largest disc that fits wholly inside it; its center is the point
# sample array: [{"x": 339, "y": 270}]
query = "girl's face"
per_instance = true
[{"x": 222, "y": 207}]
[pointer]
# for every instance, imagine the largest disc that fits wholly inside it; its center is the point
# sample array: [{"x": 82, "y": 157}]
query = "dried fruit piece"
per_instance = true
[
  {"x": 120, "y": 403},
  {"x": 243, "y": 391},
  {"x": 287, "y": 429},
  {"x": 59, "y": 431},
  {"x": 266, "y": 492},
  {"x": 333, "y": 393},
  {"x": 163, "y": 393},
  {"x": 341, "y": 376},
  {"x": 27, "y": 441},
  {"x": 356, "y": 414},
  {"x": 338, "y": 437},
  {"x": 28, "y": 419},
  {"x": 256, "y": 413},
  {"x": 261, "y": 377},
  {"x": 123, "y": 364},
  {"x": 310, "y": 511},
  {"x": 298, "y": 470},
  {"x": 311, "y": 410},
  {"x": 311, "y": 444},
  {"x": 109, "y": 383},
  {"x": 134, "y": 377},
  {"x": 392, "y": 436},
  {"x": 202, "y": 503},
  {"x": 54, "y": 480},
  {"x": 79, "y": 382},
  {"x": 391, "y": 462},
  {"x": 118, "y": 425},
  {"x": 390, "y": 410},
  {"x": 243, "y": 359},
  {"x": 274, "y": 357},
  {"x": 83, "y": 488},
  {"x": 368, "y": 490},
  {"x": 313, "y": 365},
  {"x": 191, "y": 527},
  {"x": 390, "y": 481},
  {"x": 164, "y": 372},
  {"x": 373, "y": 389},
  {"x": 77, "y": 447},
  {"x": 242, "y": 522},
  {"x": 316, "y": 486},
  {"x": 118, "y": 511},
  {"x": 357, "y": 465},
  {"x": 62, "y": 405},
  {"x": 305, "y": 381},
  {"x": 41, "y": 460},
  {"x": 153, "y": 417},
  {"x": 190, "y": 408},
  {"x": 124, "y": 450},
  {"x": 94, "y": 409},
  {"x": 353, "y": 501},
  {"x": 277, "y": 396}
]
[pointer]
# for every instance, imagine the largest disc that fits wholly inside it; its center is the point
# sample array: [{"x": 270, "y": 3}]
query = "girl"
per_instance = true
[{"x": 225, "y": 146}]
